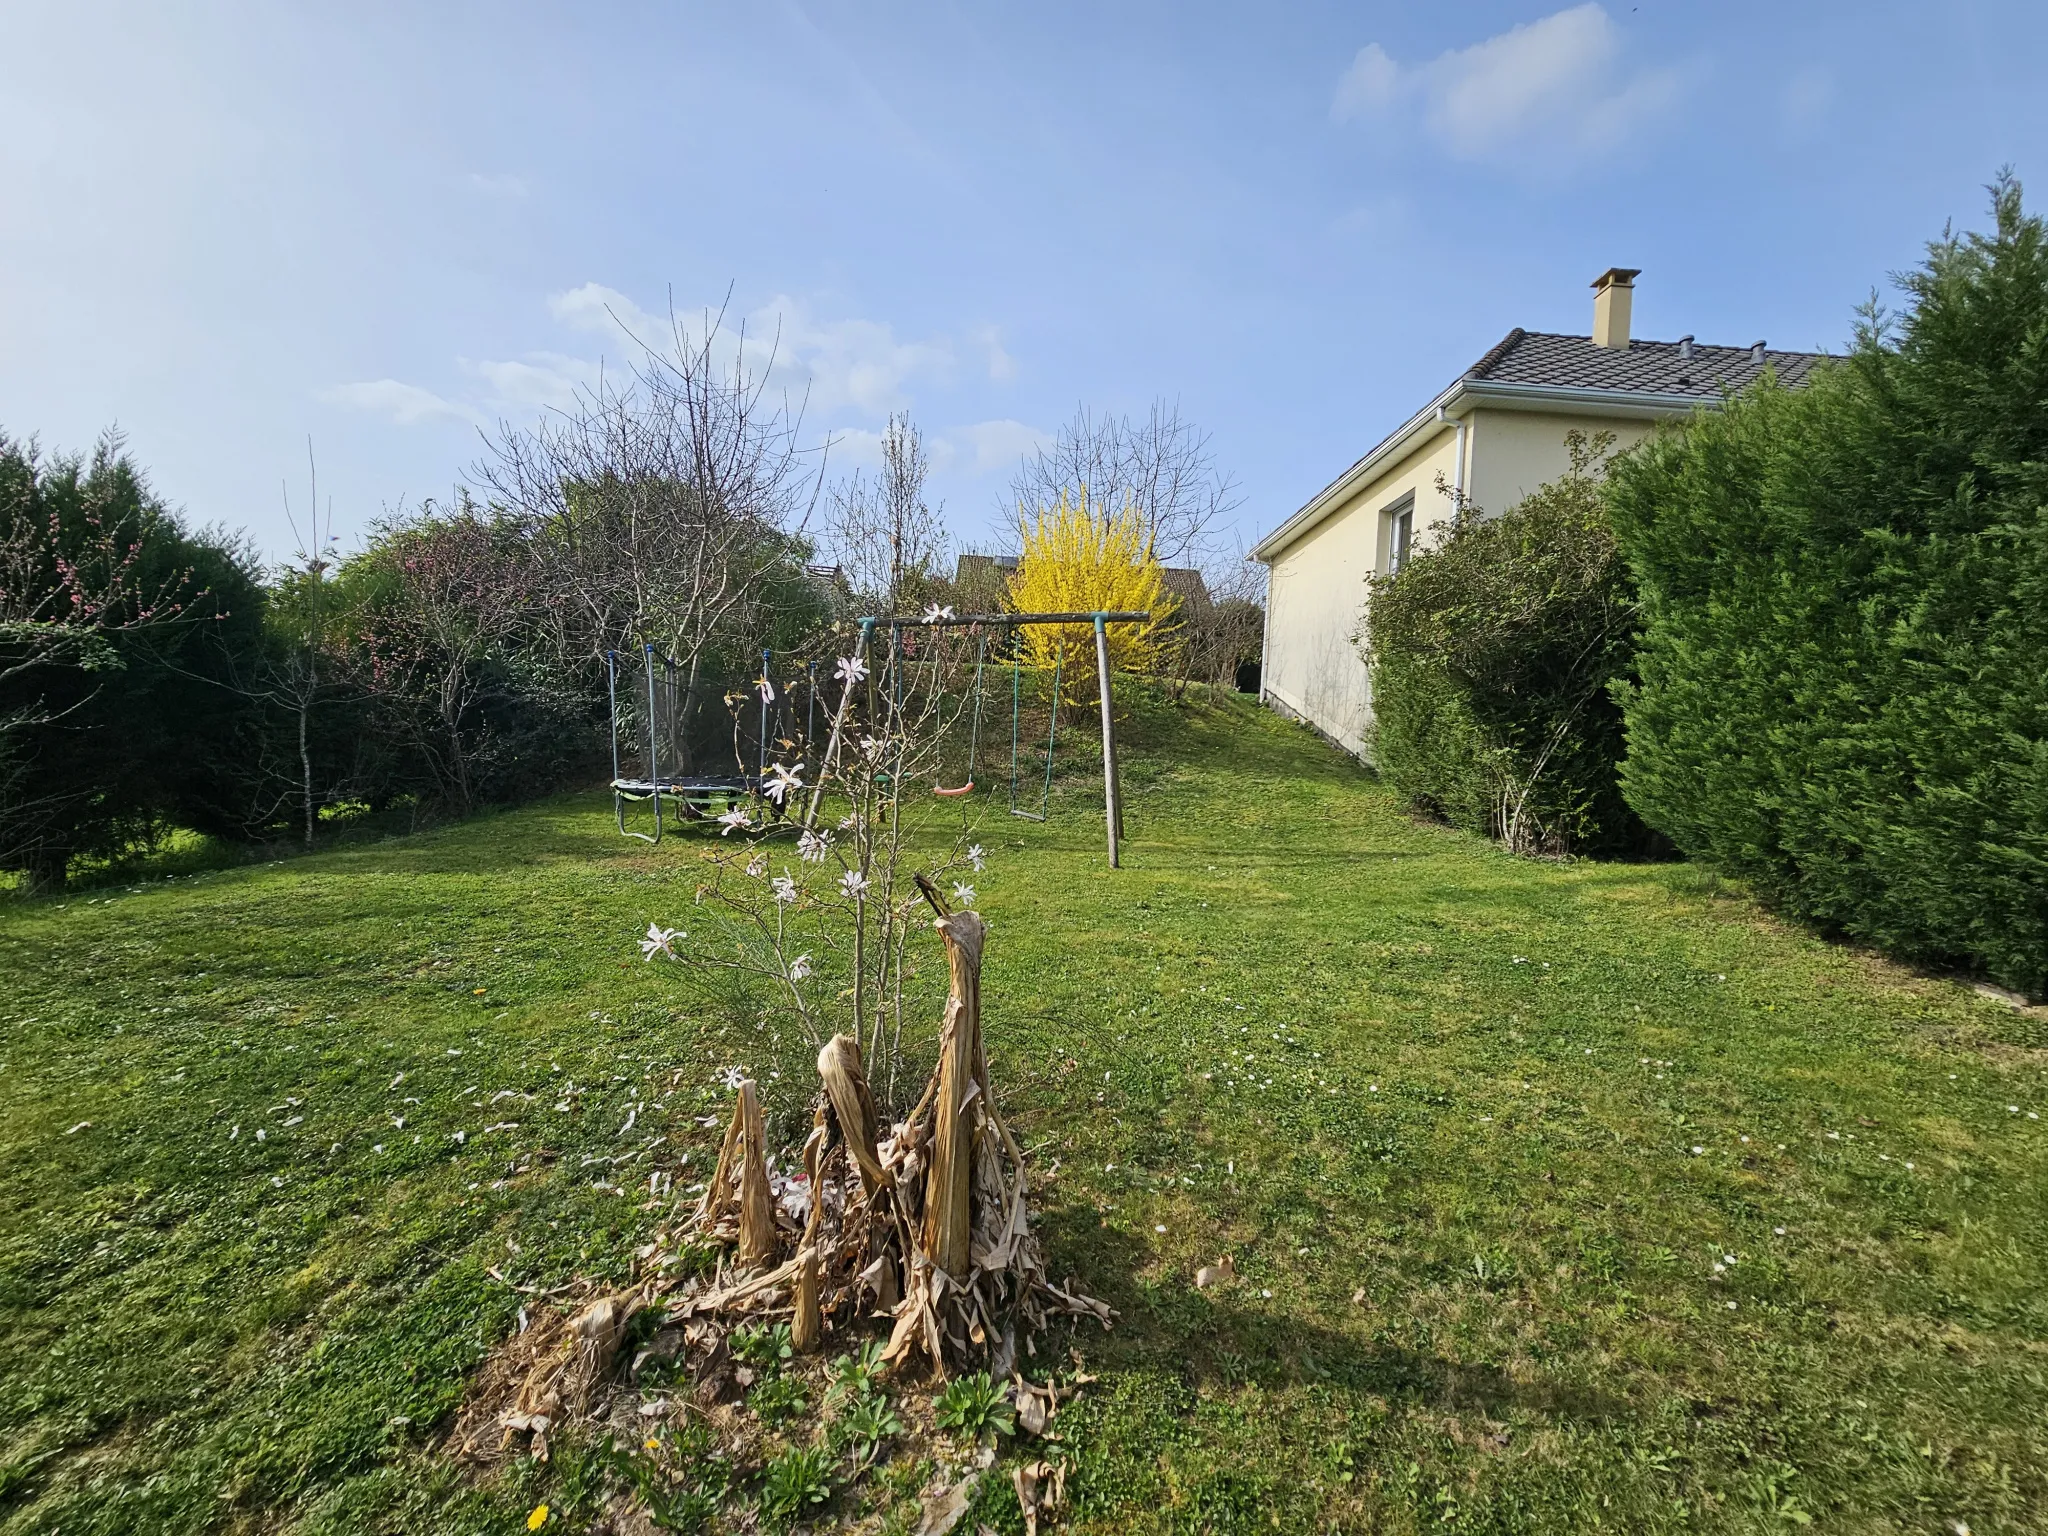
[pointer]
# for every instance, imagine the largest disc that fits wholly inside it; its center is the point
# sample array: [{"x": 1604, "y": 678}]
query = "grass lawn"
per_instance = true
[{"x": 1560, "y": 1197}]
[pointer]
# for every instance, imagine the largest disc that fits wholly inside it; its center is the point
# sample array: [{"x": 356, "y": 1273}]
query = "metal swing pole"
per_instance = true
[
  {"x": 1112, "y": 813},
  {"x": 653, "y": 745}
]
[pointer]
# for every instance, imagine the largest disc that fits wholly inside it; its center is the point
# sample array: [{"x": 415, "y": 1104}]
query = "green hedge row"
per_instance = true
[
  {"x": 1842, "y": 680},
  {"x": 1492, "y": 655}
]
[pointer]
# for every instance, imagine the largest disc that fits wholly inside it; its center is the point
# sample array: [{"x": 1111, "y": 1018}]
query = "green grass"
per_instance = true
[{"x": 1366, "y": 1058}]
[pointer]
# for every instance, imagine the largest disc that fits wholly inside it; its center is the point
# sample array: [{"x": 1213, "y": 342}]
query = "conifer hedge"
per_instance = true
[{"x": 1842, "y": 687}]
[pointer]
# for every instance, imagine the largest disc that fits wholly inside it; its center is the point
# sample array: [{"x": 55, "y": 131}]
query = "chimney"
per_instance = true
[{"x": 1612, "y": 291}]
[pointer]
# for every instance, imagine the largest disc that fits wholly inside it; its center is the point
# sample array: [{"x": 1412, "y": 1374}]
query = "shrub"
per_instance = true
[
  {"x": 1843, "y": 681},
  {"x": 1492, "y": 653},
  {"x": 121, "y": 634}
]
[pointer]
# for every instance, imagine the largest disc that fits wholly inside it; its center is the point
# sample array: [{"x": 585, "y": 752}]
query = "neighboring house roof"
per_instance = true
[
  {"x": 1186, "y": 585},
  {"x": 1184, "y": 582},
  {"x": 1540, "y": 370}
]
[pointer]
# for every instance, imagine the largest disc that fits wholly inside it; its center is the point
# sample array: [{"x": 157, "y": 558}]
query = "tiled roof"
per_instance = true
[{"x": 1644, "y": 368}]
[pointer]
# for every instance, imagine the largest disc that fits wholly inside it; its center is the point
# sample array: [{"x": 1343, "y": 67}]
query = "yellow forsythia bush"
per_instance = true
[{"x": 1083, "y": 558}]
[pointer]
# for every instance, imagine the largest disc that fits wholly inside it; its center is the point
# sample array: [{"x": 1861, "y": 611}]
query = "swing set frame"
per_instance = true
[{"x": 1113, "y": 821}]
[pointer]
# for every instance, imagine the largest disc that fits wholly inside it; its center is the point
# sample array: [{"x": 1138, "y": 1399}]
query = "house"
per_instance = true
[
  {"x": 1493, "y": 436},
  {"x": 977, "y": 577}
]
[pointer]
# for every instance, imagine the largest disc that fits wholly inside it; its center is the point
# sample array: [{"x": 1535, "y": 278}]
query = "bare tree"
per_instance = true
[
  {"x": 888, "y": 541},
  {"x": 1161, "y": 464},
  {"x": 652, "y": 506}
]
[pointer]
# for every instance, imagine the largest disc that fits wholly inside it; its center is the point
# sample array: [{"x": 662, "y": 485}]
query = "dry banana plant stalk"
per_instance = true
[{"x": 928, "y": 1225}]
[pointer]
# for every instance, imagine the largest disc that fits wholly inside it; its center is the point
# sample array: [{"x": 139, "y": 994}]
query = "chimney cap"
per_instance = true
[{"x": 1618, "y": 277}]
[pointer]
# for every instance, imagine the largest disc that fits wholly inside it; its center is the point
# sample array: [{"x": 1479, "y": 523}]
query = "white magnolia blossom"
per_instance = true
[
  {"x": 976, "y": 857},
  {"x": 735, "y": 820},
  {"x": 851, "y": 669},
  {"x": 871, "y": 747},
  {"x": 848, "y": 822},
  {"x": 782, "y": 780},
  {"x": 813, "y": 846},
  {"x": 732, "y": 1077},
  {"x": 658, "y": 941},
  {"x": 963, "y": 893},
  {"x": 757, "y": 866},
  {"x": 935, "y": 613},
  {"x": 785, "y": 889},
  {"x": 854, "y": 883},
  {"x": 766, "y": 689},
  {"x": 799, "y": 968}
]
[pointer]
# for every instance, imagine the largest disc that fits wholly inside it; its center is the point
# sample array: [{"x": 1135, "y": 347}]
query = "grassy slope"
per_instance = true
[{"x": 1365, "y": 1058}]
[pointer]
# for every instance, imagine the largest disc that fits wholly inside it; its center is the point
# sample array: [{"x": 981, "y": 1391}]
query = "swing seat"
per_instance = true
[{"x": 964, "y": 789}]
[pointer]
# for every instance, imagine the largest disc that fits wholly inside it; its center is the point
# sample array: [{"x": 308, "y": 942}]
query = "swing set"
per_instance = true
[{"x": 674, "y": 751}]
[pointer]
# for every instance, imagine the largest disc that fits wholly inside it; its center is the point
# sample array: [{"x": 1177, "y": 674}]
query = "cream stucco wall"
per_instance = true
[
  {"x": 1316, "y": 594},
  {"x": 1514, "y": 452}
]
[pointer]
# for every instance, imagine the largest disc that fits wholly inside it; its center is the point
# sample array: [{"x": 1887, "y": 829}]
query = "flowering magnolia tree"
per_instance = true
[{"x": 810, "y": 903}]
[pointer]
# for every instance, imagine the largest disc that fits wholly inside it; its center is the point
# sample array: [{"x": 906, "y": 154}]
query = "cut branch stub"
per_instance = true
[
  {"x": 759, "y": 1242},
  {"x": 948, "y": 1208}
]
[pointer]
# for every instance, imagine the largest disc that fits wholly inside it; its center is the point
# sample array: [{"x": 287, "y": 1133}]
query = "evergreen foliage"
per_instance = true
[
  {"x": 1843, "y": 682},
  {"x": 118, "y": 710},
  {"x": 1491, "y": 653}
]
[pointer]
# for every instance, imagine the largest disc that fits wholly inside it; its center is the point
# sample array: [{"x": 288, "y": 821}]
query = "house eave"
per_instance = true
[{"x": 1462, "y": 397}]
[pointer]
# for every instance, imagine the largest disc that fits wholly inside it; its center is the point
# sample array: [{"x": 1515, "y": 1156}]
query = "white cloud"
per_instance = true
[
  {"x": 1000, "y": 444},
  {"x": 406, "y": 404},
  {"x": 831, "y": 367},
  {"x": 831, "y": 364},
  {"x": 539, "y": 378},
  {"x": 1807, "y": 98},
  {"x": 503, "y": 185},
  {"x": 1549, "y": 88},
  {"x": 1001, "y": 366}
]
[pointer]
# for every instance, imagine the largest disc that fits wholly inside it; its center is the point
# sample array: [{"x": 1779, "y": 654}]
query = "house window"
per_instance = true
[{"x": 1398, "y": 529}]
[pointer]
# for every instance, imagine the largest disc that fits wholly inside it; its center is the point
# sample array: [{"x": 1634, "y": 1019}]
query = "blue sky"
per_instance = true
[{"x": 228, "y": 228}]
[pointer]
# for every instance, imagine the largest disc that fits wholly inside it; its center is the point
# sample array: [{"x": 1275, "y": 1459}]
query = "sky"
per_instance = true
[{"x": 231, "y": 229}]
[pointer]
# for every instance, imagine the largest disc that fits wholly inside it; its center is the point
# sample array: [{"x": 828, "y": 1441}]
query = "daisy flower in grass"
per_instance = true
[
  {"x": 854, "y": 883},
  {"x": 812, "y": 846}
]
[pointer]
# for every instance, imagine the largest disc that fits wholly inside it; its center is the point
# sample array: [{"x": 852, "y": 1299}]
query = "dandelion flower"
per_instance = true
[
  {"x": 538, "y": 1518},
  {"x": 658, "y": 941}
]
